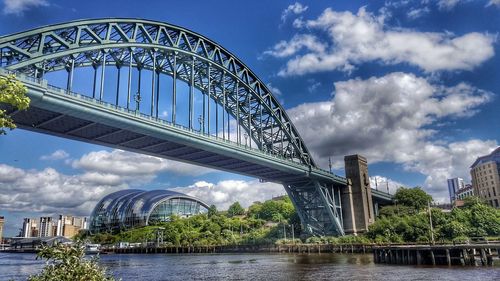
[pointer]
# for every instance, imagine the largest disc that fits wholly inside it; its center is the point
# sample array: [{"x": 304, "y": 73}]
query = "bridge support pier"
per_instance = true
[
  {"x": 318, "y": 205},
  {"x": 357, "y": 197}
]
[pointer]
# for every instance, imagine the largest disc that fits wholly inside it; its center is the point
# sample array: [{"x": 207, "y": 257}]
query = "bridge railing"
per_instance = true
[{"x": 135, "y": 113}]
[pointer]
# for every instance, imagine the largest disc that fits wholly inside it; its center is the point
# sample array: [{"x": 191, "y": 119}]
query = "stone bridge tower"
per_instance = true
[{"x": 357, "y": 201}]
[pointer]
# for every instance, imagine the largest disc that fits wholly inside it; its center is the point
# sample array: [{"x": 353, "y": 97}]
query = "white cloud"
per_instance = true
[
  {"x": 56, "y": 155},
  {"x": 417, "y": 13},
  {"x": 129, "y": 164},
  {"x": 388, "y": 119},
  {"x": 385, "y": 184},
  {"x": 313, "y": 87},
  {"x": 493, "y": 3},
  {"x": 49, "y": 191},
  {"x": 447, "y": 4},
  {"x": 296, "y": 8},
  {"x": 298, "y": 42},
  {"x": 363, "y": 37},
  {"x": 275, "y": 91},
  {"x": 224, "y": 193},
  {"x": 18, "y": 7}
]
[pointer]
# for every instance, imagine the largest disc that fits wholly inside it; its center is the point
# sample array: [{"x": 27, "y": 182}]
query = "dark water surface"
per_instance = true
[{"x": 253, "y": 267}]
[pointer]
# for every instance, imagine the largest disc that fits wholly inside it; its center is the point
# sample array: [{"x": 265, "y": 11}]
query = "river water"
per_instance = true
[{"x": 253, "y": 267}]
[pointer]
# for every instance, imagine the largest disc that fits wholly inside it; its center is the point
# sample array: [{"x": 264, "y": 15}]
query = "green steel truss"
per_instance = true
[
  {"x": 161, "y": 48},
  {"x": 166, "y": 49}
]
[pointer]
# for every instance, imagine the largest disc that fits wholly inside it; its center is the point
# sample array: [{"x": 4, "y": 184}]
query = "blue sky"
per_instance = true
[{"x": 412, "y": 85}]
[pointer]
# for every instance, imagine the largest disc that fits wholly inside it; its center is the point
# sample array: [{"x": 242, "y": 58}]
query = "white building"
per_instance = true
[
  {"x": 30, "y": 228},
  {"x": 46, "y": 228},
  {"x": 454, "y": 185}
]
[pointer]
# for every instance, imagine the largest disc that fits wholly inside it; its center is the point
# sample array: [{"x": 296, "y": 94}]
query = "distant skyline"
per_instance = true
[{"x": 411, "y": 85}]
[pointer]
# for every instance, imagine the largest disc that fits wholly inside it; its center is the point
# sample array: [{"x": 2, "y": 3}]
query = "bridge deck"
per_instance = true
[{"x": 56, "y": 112}]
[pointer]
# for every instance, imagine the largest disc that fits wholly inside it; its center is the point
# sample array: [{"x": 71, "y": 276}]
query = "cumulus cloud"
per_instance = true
[
  {"x": 390, "y": 118},
  {"x": 129, "y": 164},
  {"x": 18, "y": 7},
  {"x": 364, "y": 37},
  {"x": 296, "y": 8},
  {"x": 56, "y": 155},
  {"x": 49, "y": 191},
  {"x": 385, "y": 184},
  {"x": 224, "y": 193}
]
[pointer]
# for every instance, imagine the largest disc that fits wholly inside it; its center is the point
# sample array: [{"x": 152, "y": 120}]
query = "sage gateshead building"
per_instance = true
[{"x": 132, "y": 208}]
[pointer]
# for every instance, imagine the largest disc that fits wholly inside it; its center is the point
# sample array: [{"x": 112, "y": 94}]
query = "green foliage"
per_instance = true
[
  {"x": 12, "y": 92},
  {"x": 212, "y": 211},
  {"x": 415, "y": 198},
  {"x": 408, "y": 225},
  {"x": 67, "y": 263},
  {"x": 273, "y": 210},
  {"x": 235, "y": 210}
]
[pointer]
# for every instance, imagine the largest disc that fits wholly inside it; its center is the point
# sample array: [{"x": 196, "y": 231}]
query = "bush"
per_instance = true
[{"x": 67, "y": 263}]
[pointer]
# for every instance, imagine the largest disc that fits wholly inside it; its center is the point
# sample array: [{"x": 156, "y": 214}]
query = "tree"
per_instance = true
[
  {"x": 12, "y": 92},
  {"x": 212, "y": 211},
  {"x": 235, "y": 210},
  {"x": 415, "y": 197},
  {"x": 67, "y": 263}
]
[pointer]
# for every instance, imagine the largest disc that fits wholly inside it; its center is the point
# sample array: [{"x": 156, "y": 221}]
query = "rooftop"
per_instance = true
[{"x": 493, "y": 156}]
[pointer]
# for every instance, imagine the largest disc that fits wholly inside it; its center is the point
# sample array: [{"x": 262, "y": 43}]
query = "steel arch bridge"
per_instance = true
[{"x": 235, "y": 103}]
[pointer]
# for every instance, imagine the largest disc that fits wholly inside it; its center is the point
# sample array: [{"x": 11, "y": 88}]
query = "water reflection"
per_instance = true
[{"x": 254, "y": 267}]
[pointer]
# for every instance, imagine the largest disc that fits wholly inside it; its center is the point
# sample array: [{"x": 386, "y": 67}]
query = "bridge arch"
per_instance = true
[{"x": 162, "y": 49}]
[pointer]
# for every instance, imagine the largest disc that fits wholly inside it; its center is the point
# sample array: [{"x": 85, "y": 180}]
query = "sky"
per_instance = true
[{"x": 411, "y": 85}]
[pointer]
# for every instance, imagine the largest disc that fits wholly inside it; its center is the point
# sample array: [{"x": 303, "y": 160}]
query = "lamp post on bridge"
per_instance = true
[
  {"x": 245, "y": 135},
  {"x": 202, "y": 128},
  {"x": 137, "y": 99}
]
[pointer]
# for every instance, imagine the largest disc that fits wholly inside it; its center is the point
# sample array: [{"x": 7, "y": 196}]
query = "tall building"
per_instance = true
[
  {"x": 30, "y": 228},
  {"x": 454, "y": 185},
  {"x": 2, "y": 221},
  {"x": 69, "y": 226},
  {"x": 46, "y": 227},
  {"x": 485, "y": 173}
]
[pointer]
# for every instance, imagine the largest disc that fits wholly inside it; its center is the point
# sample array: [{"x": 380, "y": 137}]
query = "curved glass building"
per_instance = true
[{"x": 131, "y": 208}]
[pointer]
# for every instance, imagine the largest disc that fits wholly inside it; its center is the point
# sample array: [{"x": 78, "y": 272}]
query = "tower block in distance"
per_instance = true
[{"x": 358, "y": 215}]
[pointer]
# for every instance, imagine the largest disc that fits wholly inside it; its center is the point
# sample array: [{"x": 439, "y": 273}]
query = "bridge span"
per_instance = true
[{"x": 242, "y": 127}]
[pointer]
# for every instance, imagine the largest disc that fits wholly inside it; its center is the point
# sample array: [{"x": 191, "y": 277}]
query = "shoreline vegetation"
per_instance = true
[{"x": 276, "y": 222}]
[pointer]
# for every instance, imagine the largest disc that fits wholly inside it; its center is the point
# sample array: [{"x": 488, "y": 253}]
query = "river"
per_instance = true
[{"x": 253, "y": 267}]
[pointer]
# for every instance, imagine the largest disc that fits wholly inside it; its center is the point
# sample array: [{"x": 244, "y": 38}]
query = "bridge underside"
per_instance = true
[{"x": 70, "y": 127}]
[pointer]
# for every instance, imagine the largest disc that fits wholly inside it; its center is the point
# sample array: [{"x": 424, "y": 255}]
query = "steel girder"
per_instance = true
[
  {"x": 166, "y": 49},
  {"x": 318, "y": 205}
]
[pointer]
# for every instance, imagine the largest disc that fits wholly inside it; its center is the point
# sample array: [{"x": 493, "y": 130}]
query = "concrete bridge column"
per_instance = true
[{"x": 357, "y": 197}]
